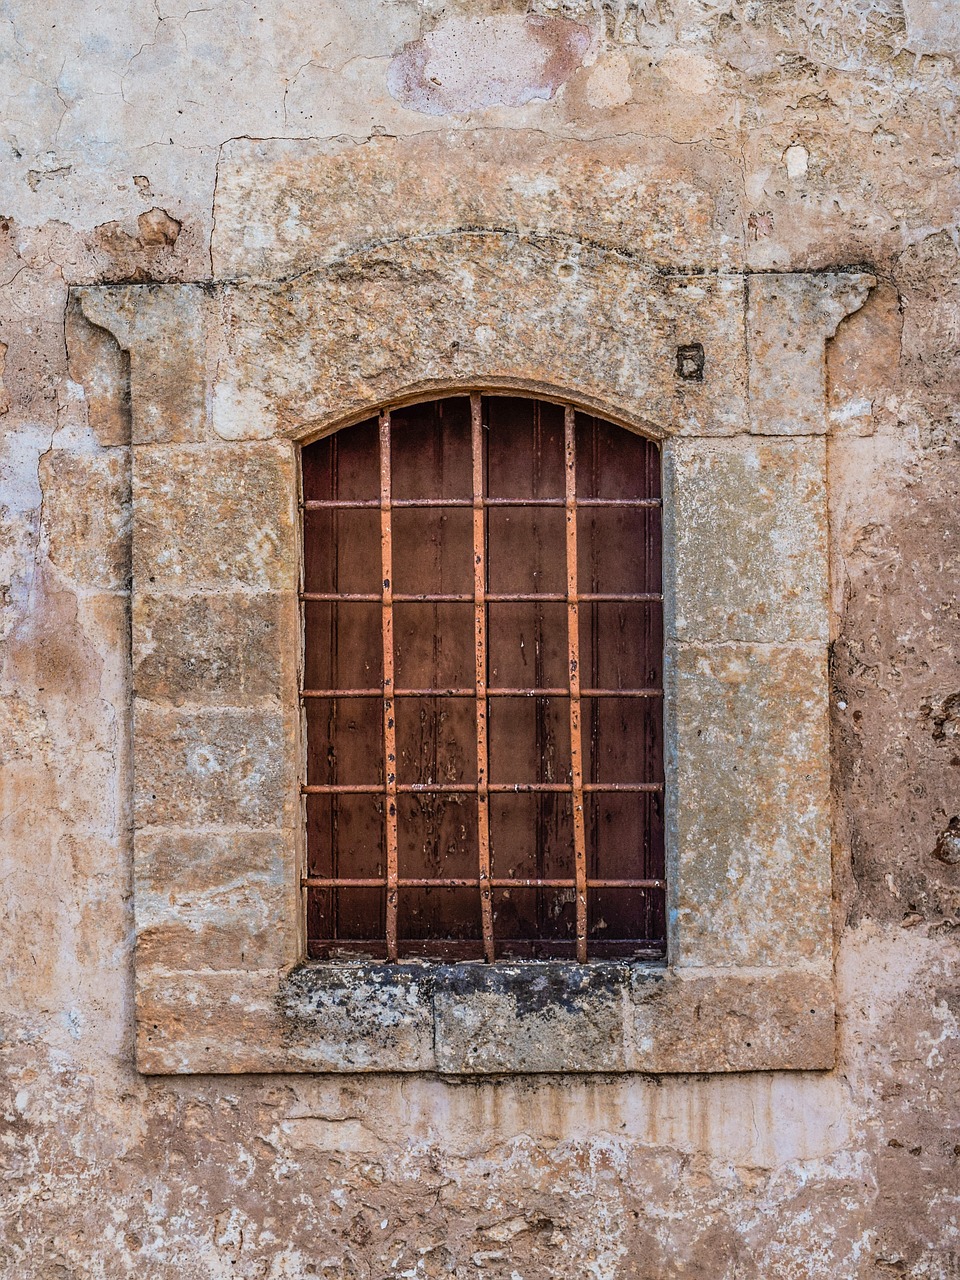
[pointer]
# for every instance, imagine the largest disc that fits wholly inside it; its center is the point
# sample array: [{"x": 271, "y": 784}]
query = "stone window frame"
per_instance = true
[{"x": 227, "y": 380}]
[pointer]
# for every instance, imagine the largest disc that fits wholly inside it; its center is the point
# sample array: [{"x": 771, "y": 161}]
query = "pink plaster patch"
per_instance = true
[{"x": 468, "y": 63}]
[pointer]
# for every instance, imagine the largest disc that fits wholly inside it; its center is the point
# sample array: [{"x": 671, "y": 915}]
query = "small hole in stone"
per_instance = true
[{"x": 690, "y": 362}]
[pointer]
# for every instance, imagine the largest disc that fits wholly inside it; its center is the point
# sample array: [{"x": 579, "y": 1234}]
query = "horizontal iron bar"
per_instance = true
[
  {"x": 348, "y": 504},
  {"x": 373, "y": 504},
  {"x": 490, "y": 693},
  {"x": 553, "y": 597},
  {"x": 457, "y": 882},
  {"x": 471, "y": 788}
]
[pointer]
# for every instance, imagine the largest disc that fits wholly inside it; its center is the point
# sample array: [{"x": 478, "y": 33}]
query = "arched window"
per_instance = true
[{"x": 483, "y": 627}]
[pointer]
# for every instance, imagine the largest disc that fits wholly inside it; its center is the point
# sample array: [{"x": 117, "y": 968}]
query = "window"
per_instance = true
[
  {"x": 310, "y": 326},
  {"x": 483, "y": 626}
]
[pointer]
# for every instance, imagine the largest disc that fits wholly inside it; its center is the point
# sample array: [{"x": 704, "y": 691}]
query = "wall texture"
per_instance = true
[{"x": 827, "y": 129}]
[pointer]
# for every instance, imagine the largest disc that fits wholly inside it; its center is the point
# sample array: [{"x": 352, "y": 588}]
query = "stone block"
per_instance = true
[
  {"x": 731, "y": 1022},
  {"x": 214, "y": 518},
  {"x": 748, "y": 804},
  {"x": 97, "y": 362},
  {"x": 790, "y": 315},
  {"x": 216, "y": 901},
  {"x": 530, "y": 1017},
  {"x": 164, "y": 328},
  {"x": 213, "y": 768},
  {"x": 219, "y": 929},
  {"x": 356, "y": 1017},
  {"x": 228, "y": 650},
  {"x": 223, "y": 1022},
  {"x": 704, "y": 321},
  {"x": 746, "y": 537}
]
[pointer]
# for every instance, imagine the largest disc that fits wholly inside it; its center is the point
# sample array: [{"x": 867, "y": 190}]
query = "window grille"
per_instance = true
[{"x": 483, "y": 636}]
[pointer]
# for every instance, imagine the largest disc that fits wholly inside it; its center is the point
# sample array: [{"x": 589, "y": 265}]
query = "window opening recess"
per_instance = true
[{"x": 482, "y": 685}]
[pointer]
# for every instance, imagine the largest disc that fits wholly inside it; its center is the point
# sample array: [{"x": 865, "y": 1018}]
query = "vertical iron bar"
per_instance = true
[
  {"x": 480, "y": 638},
  {"x": 389, "y": 722},
  {"x": 333, "y": 721},
  {"x": 541, "y": 726},
  {"x": 573, "y": 640}
]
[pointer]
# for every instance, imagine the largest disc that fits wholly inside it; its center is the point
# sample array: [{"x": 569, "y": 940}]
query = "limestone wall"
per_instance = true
[{"x": 823, "y": 135}]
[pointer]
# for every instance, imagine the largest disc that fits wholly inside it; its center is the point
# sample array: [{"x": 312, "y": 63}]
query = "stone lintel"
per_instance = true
[{"x": 421, "y": 315}]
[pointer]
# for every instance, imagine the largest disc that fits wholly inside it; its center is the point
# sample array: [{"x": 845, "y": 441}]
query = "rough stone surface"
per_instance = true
[
  {"x": 535, "y": 1018},
  {"x": 115, "y": 111},
  {"x": 360, "y": 1017}
]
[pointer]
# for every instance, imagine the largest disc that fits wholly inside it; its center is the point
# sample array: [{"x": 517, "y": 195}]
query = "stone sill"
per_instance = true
[
  {"x": 532, "y": 1016},
  {"x": 472, "y": 1019}
]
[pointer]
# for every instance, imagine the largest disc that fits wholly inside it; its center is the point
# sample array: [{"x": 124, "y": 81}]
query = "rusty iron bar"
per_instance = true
[
  {"x": 490, "y": 693},
  {"x": 397, "y": 693},
  {"x": 389, "y": 723},
  {"x": 353, "y": 504},
  {"x": 573, "y": 642},
  {"x": 480, "y": 646},
  {"x": 468, "y": 882},
  {"x": 470, "y": 788},
  {"x": 545, "y": 597}
]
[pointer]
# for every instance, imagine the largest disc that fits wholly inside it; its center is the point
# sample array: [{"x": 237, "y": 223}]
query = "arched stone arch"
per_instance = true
[{"x": 426, "y": 390}]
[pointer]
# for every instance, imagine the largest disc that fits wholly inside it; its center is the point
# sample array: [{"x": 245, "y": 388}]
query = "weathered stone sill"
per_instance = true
[{"x": 475, "y": 1019}]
